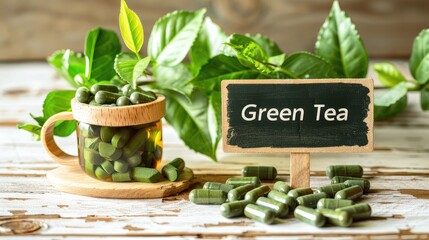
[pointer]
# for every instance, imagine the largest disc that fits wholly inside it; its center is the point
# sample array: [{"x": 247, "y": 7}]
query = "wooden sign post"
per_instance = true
[{"x": 299, "y": 117}]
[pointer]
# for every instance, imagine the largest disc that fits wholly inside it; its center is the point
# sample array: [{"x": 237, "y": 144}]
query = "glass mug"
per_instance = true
[{"x": 111, "y": 141}]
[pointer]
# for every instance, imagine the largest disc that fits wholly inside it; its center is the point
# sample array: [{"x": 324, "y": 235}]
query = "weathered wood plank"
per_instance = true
[{"x": 387, "y": 26}]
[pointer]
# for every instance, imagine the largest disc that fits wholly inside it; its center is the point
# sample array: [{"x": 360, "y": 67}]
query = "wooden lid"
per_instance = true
[{"x": 119, "y": 116}]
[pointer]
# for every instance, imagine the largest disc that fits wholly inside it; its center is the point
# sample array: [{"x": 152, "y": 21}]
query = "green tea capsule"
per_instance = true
[
  {"x": 149, "y": 175},
  {"x": 170, "y": 172},
  {"x": 281, "y": 187},
  {"x": 121, "y": 177},
  {"x": 92, "y": 156},
  {"x": 239, "y": 192},
  {"x": 332, "y": 189},
  {"x": 262, "y": 172},
  {"x": 311, "y": 199},
  {"x": 364, "y": 184},
  {"x": 92, "y": 143},
  {"x": 233, "y": 209},
  {"x": 107, "y": 150},
  {"x": 178, "y": 163},
  {"x": 108, "y": 167},
  {"x": 141, "y": 97},
  {"x": 254, "y": 194},
  {"x": 104, "y": 87},
  {"x": 120, "y": 166},
  {"x": 107, "y": 133},
  {"x": 280, "y": 209},
  {"x": 239, "y": 181},
  {"x": 82, "y": 94},
  {"x": 337, "y": 218},
  {"x": 218, "y": 186},
  {"x": 351, "y": 193},
  {"x": 259, "y": 213},
  {"x": 89, "y": 168},
  {"x": 121, "y": 137},
  {"x": 310, "y": 216},
  {"x": 123, "y": 101},
  {"x": 342, "y": 179},
  {"x": 101, "y": 174},
  {"x": 333, "y": 204},
  {"x": 205, "y": 196},
  {"x": 135, "y": 142},
  {"x": 103, "y": 97},
  {"x": 94, "y": 103},
  {"x": 297, "y": 192},
  {"x": 283, "y": 198},
  {"x": 152, "y": 141},
  {"x": 127, "y": 90},
  {"x": 344, "y": 170},
  {"x": 134, "y": 160},
  {"x": 359, "y": 211},
  {"x": 89, "y": 131}
]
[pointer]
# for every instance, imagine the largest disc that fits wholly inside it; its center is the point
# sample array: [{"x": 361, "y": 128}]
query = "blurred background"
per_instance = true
[{"x": 33, "y": 29}]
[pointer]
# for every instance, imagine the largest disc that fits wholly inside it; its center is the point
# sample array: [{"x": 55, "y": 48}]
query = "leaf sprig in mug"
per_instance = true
[{"x": 189, "y": 56}]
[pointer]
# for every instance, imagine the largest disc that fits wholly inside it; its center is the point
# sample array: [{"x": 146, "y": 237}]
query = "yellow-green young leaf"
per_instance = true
[
  {"x": 139, "y": 69},
  {"x": 388, "y": 74},
  {"x": 131, "y": 28}
]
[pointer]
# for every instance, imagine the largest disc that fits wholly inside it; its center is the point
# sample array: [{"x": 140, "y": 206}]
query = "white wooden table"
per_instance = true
[{"x": 398, "y": 169}]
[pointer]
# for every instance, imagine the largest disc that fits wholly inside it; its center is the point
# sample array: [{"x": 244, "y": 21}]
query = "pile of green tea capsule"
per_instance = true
[
  {"x": 111, "y": 96},
  {"x": 245, "y": 196}
]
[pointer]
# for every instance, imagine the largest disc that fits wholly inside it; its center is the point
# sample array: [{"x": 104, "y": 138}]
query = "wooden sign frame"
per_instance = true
[{"x": 300, "y": 156}]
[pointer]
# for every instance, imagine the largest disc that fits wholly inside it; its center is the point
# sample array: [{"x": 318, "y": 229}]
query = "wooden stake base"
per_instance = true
[{"x": 72, "y": 179}]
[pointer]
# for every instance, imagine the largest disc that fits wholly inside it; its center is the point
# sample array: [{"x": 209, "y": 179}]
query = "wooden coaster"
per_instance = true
[{"x": 72, "y": 179}]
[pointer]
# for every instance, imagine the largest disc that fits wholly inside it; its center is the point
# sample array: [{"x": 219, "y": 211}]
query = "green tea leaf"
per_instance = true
[
  {"x": 34, "y": 129},
  {"x": 59, "y": 101},
  {"x": 131, "y": 28},
  {"x": 269, "y": 47},
  {"x": 308, "y": 65},
  {"x": 424, "y": 98},
  {"x": 214, "y": 117},
  {"x": 190, "y": 120},
  {"x": 220, "y": 68},
  {"x": 101, "y": 47},
  {"x": 249, "y": 53},
  {"x": 173, "y": 35},
  {"x": 339, "y": 43},
  {"x": 207, "y": 45},
  {"x": 419, "y": 60},
  {"x": 68, "y": 64},
  {"x": 139, "y": 69},
  {"x": 388, "y": 74},
  {"x": 277, "y": 60},
  {"x": 174, "y": 78},
  {"x": 391, "y": 103},
  {"x": 124, "y": 65}
]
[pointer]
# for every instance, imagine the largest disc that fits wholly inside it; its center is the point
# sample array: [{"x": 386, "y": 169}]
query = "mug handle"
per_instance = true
[{"x": 47, "y": 137}]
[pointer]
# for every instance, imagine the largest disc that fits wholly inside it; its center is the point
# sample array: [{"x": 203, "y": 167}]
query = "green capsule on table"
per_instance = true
[
  {"x": 101, "y": 174},
  {"x": 170, "y": 172},
  {"x": 92, "y": 156},
  {"x": 92, "y": 143},
  {"x": 121, "y": 177},
  {"x": 342, "y": 179},
  {"x": 332, "y": 189},
  {"x": 107, "y": 133},
  {"x": 254, "y": 194},
  {"x": 135, "y": 142},
  {"x": 333, "y": 204},
  {"x": 233, "y": 209},
  {"x": 239, "y": 181},
  {"x": 218, "y": 186},
  {"x": 152, "y": 141},
  {"x": 104, "y": 97},
  {"x": 351, "y": 193},
  {"x": 178, "y": 163},
  {"x": 82, "y": 94},
  {"x": 310, "y": 216},
  {"x": 337, "y": 218},
  {"x": 359, "y": 211},
  {"x": 141, "y": 97},
  {"x": 134, "y": 160},
  {"x": 364, "y": 184},
  {"x": 281, "y": 187},
  {"x": 311, "y": 199},
  {"x": 239, "y": 192},
  {"x": 280, "y": 209},
  {"x": 109, "y": 151},
  {"x": 259, "y": 213},
  {"x": 123, "y": 101},
  {"x": 104, "y": 87},
  {"x": 121, "y": 137},
  {"x": 283, "y": 198},
  {"x": 149, "y": 175},
  {"x": 205, "y": 196},
  {"x": 297, "y": 192},
  {"x": 120, "y": 166},
  {"x": 262, "y": 172},
  {"x": 344, "y": 170},
  {"x": 108, "y": 167}
]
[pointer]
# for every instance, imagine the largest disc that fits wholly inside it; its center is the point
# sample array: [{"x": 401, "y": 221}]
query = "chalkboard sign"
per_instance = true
[{"x": 323, "y": 115}]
